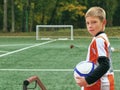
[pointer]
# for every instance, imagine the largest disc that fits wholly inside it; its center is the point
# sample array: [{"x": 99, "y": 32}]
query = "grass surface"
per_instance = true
[{"x": 55, "y": 55}]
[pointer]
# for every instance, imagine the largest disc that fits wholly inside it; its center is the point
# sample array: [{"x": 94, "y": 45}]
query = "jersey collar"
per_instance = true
[{"x": 99, "y": 33}]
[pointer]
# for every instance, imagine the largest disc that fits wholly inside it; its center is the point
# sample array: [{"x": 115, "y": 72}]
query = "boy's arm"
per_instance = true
[{"x": 103, "y": 67}]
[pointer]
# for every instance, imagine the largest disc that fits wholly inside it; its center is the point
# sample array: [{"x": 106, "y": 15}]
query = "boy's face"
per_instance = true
[{"x": 94, "y": 25}]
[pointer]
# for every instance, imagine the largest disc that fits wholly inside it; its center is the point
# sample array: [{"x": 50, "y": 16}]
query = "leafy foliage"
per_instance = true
[{"x": 29, "y": 13}]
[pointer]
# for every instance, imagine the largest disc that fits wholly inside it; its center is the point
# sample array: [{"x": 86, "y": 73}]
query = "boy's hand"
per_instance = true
[{"x": 81, "y": 81}]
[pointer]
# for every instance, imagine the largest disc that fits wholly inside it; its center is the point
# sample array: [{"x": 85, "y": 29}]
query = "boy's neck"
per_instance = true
[{"x": 99, "y": 33}]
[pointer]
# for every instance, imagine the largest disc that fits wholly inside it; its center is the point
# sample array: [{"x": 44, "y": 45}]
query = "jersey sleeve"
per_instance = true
[
  {"x": 101, "y": 47},
  {"x": 103, "y": 67}
]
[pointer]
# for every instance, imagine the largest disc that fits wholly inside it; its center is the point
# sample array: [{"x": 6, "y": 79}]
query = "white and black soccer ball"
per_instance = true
[{"x": 84, "y": 68}]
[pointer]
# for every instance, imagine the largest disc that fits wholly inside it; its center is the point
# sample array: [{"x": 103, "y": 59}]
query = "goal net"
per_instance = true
[{"x": 60, "y": 32}]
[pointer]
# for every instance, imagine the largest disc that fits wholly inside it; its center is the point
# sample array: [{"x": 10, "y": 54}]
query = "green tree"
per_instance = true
[
  {"x": 1, "y": 15},
  {"x": 53, "y": 12},
  {"x": 24, "y": 15},
  {"x": 31, "y": 16},
  {"x": 13, "y": 16},
  {"x": 71, "y": 12},
  {"x": 5, "y": 17},
  {"x": 111, "y": 6},
  {"x": 116, "y": 16}
]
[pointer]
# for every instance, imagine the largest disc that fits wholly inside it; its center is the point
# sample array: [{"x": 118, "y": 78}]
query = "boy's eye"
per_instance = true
[
  {"x": 94, "y": 22},
  {"x": 87, "y": 23}
]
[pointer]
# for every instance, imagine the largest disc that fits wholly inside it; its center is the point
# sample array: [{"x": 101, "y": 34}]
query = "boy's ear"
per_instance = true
[{"x": 104, "y": 21}]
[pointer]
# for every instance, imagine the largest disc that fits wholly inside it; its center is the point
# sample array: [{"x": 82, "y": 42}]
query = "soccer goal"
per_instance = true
[{"x": 60, "y": 32}]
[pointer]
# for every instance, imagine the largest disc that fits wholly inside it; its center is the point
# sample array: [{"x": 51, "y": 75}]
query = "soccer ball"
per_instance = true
[{"x": 84, "y": 68}]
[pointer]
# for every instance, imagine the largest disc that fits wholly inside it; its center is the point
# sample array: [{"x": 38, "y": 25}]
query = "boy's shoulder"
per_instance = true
[{"x": 102, "y": 38}]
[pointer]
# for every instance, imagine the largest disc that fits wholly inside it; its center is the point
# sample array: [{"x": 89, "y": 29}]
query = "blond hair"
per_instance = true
[{"x": 96, "y": 12}]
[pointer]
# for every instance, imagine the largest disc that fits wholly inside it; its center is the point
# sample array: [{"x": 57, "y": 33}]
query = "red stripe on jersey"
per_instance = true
[
  {"x": 106, "y": 47},
  {"x": 111, "y": 81},
  {"x": 93, "y": 52},
  {"x": 96, "y": 86}
]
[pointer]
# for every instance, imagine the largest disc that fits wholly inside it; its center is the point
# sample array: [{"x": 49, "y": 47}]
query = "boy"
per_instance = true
[{"x": 102, "y": 78}]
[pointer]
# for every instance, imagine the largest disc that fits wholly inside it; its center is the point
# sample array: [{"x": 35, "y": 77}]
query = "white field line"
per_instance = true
[
  {"x": 116, "y": 70},
  {"x": 26, "y": 48},
  {"x": 38, "y": 70},
  {"x": 43, "y": 70}
]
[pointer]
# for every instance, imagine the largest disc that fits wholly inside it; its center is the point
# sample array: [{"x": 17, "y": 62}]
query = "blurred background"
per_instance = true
[{"x": 24, "y": 15}]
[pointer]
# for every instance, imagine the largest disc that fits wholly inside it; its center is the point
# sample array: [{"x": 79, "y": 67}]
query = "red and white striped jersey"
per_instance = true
[{"x": 100, "y": 46}]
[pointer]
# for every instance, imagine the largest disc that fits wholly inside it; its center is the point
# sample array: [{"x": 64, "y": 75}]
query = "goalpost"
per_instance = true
[{"x": 60, "y": 32}]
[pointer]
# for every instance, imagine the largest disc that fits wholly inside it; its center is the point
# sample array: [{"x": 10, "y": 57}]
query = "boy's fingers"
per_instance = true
[{"x": 79, "y": 77}]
